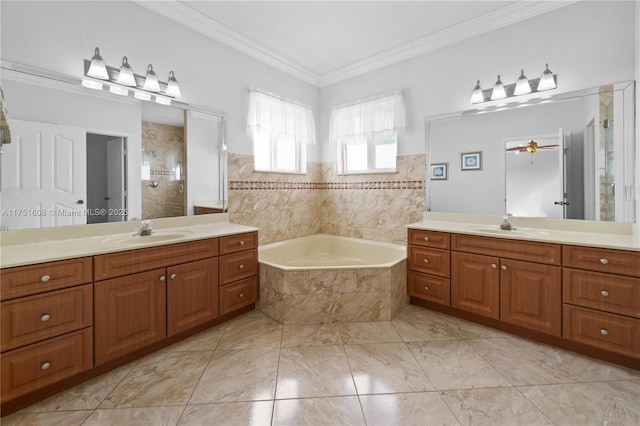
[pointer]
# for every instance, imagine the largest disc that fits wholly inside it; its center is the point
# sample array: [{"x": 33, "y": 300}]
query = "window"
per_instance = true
[
  {"x": 366, "y": 133},
  {"x": 281, "y": 129}
]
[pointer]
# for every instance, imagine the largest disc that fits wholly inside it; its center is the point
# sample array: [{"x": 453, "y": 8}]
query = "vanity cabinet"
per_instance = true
[
  {"x": 429, "y": 266},
  {"x": 47, "y": 324},
  {"x": 238, "y": 271},
  {"x": 601, "y": 297}
]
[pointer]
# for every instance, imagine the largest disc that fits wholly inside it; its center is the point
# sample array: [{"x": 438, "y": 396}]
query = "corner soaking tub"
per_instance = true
[{"x": 327, "y": 279}]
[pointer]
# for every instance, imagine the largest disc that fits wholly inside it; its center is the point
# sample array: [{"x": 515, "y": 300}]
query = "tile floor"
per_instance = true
[{"x": 421, "y": 368}]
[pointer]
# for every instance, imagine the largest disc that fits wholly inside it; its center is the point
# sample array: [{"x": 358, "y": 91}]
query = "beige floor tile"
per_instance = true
[
  {"x": 386, "y": 368},
  {"x": 470, "y": 330},
  {"x": 311, "y": 335},
  {"x": 422, "y": 408},
  {"x": 228, "y": 414},
  {"x": 204, "y": 341},
  {"x": 453, "y": 364},
  {"x": 415, "y": 324},
  {"x": 163, "y": 378},
  {"x": 67, "y": 418},
  {"x": 604, "y": 403},
  {"x": 238, "y": 375},
  {"x": 594, "y": 370},
  {"x": 498, "y": 406},
  {"x": 159, "y": 416},
  {"x": 318, "y": 411},
  {"x": 314, "y": 372},
  {"x": 87, "y": 395},
  {"x": 357, "y": 333},
  {"x": 524, "y": 362},
  {"x": 253, "y": 330}
]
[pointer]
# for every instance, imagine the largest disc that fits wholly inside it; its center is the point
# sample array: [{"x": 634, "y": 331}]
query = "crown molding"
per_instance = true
[{"x": 520, "y": 11}]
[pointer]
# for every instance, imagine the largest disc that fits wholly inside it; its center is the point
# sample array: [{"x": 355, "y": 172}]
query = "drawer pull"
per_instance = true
[
  {"x": 45, "y": 317},
  {"x": 241, "y": 242},
  {"x": 426, "y": 238},
  {"x": 504, "y": 267},
  {"x": 604, "y": 332},
  {"x": 494, "y": 266},
  {"x": 426, "y": 288},
  {"x": 45, "y": 278},
  {"x": 605, "y": 293},
  {"x": 45, "y": 366},
  {"x": 241, "y": 266},
  {"x": 426, "y": 260},
  {"x": 241, "y": 295},
  {"x": 604, "y": 261},
  {"x": 173, "y": 276},
  {"x": 162, "y": 278}
]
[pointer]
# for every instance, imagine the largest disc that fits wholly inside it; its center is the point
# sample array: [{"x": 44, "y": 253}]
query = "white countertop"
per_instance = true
[
  {"x": 46, "y": 245},
  {"x": 621, "y": 236}
]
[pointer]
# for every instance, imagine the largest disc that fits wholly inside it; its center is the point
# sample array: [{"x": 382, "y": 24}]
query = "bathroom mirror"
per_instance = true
[
  {"x": 582, "y": 166},
  {"x": 137, "y": 160}
]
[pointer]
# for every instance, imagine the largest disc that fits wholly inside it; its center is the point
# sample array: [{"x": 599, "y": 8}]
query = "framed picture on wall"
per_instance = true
[
  {"x": 440, "y": 171},
  {"x": 471, "y": 160}
]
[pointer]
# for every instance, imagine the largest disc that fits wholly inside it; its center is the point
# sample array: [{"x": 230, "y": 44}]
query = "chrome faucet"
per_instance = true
[
  {"x": 505, "y": 225},
  {"x": 145, "y": 230}
]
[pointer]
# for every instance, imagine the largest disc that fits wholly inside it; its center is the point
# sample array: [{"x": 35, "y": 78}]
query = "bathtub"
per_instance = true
[{"x": 323, "y": 278}]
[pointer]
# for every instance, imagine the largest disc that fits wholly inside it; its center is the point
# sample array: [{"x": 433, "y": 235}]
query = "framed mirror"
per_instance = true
[
  {"x": 566, "y": 156},
  {"x": 79, "y": 156}
]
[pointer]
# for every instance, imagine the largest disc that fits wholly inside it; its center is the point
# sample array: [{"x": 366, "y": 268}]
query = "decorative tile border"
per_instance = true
[{"x": 278, "y": 185}]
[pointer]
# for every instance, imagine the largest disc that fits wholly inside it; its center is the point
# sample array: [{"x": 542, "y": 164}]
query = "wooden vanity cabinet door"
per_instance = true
[
  {"x": 426, "y": 238},
  {"x": 238, "y": 295},
  {"x": 429, "y": 261},
  {"x": 130, "y": 313},
  {"x": 429, "y": 288},
  {"x": 531, "y": 295},
  {"x": 475, "y": 284},
  {"x": 239, "y": 242},
  {"x": 238, "y": 266},
  {"x": 192, "y": 294}
]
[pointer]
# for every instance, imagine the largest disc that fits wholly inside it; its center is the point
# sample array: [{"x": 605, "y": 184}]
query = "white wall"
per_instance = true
[{"x": 587, "y": 44}]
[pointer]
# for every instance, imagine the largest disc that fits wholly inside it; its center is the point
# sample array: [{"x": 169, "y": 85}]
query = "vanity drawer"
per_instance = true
[
  {"x": 234, "y": 267},
  {"x": 607, "y": 331},
  {"x": 602, "y": 260},
  {"x": 430, "y": 261},
  {"x": 611, "y": 293},
  {"x": 33, "y": 279},
  {"x": 427, "y": 238},
  {"x": 31, "y": 319},
  {"x": 240, "y": 242},
  {"x": 35, "y": 366},
  {"x": 507, "y": 248},
  {"x": 237, "y": 295},
  {"x": 145, "y": 259},
  {"x": 429, "y": 288}
]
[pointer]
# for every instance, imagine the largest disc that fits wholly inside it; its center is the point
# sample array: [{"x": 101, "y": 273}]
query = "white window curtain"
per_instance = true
[
  {"x": 275, "y": 118},
  {"x": 371, "y": 119}
]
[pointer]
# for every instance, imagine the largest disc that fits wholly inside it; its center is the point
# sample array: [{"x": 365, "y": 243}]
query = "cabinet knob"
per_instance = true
[
  {"x": 426, "y": 260},
  {"x": 45, "y": 366},
  {"x": 162, "y": 278},
  {"x": 241, "y": 295},
  {"x": 173, "y": 276},
  {"x": 604, "y": 261},
  {"x": 426, "y": 238},
  {"x": 604, "y": 332},
  {"x": 504, "y": 267},
  {"x": 241, "y": 266},
  {"x": 494, "y": 266},
  {"x": 426, "y": 288},
  {"x": 45, "y": 278},
  {"x": 241, "y": 242},
  {"x": 45, "y": 317},
  {"x": 605, "y": 293}
]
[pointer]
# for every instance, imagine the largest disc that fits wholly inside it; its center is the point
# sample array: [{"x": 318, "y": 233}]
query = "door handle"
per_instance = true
[{"x": 80, "y": 202}]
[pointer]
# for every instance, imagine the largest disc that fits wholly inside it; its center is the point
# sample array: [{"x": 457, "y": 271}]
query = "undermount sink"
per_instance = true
[
  {"x": 494, "y": 229},
  {"x": 155, "y": 237}
]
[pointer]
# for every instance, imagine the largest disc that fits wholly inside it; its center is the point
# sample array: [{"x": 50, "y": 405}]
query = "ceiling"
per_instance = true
[{"x": 323, "y": 42}]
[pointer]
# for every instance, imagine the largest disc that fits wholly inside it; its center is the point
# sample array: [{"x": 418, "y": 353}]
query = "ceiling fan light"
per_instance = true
[
  {"x": 498, "y": 91},
  {"x": 477, "y": 96},
  {"x": 151, "y": 82},
  {"x": 98, "y": 69},
  {"x": 522, "y": 85},
  {"x": 126, "y": 77},
  {"x": 547, "y": 82},
  {"x": 172, "y": 86}
]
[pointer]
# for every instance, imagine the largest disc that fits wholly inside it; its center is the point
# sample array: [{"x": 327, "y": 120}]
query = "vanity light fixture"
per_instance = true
[
  {"x": 522, "y": 86},
  {"x": 123, "y": 81}
]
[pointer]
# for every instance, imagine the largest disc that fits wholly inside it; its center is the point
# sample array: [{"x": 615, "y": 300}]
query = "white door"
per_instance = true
[
  {"x": 43, "y": 176},
  {"x": 115, "y": 180}
]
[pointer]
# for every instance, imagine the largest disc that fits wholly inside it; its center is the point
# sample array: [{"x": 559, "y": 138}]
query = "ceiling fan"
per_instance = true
[{"x": 530, "y": 147}]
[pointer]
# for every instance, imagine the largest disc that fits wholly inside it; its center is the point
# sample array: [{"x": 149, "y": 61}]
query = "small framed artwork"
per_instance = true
[
  {"x": 471, "y": 160},
  {"x": 440, "y": 171}
]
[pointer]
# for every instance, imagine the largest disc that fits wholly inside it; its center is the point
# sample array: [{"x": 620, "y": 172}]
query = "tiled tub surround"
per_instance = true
[
  {"x": 286, "y": 206},
  {"x": 332, "y": 280}
]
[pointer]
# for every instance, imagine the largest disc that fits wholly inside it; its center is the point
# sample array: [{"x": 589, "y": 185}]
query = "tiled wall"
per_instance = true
[
  {"x": 164, "y": 154},
  {"x": 285, "y": 206}
]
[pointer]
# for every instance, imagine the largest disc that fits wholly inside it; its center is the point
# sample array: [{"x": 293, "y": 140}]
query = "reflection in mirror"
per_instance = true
[
  {"x": 582, "y": 166},
  {"x": 78, "y": 156}
]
